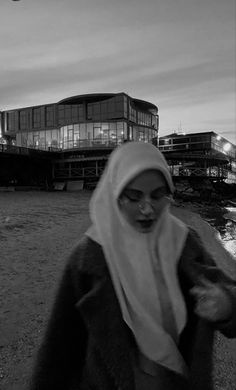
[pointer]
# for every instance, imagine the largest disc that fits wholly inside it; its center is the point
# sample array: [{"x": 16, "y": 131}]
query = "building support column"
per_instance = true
[
  {"x": 53, "y": 171},
  {"x": 69, "y": 171}
]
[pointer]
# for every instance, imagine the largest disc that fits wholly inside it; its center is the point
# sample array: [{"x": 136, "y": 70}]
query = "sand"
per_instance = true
[{"x": 37, "y": 231}]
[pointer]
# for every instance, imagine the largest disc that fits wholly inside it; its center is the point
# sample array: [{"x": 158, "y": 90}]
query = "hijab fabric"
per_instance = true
[{"x": 135, "y": 259}]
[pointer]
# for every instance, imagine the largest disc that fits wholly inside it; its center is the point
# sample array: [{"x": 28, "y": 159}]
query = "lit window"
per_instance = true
[{"x": 227, "y": 147}]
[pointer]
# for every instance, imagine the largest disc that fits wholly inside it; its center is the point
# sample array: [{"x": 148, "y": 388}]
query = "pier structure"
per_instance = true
[
  {"x": 20, "y": 166},
  {"x": 87, "y": 164},
  {"x": 72, "y": 139},
  {"x": 193, "y": 156},
  {"x": 199, "y": 155}
]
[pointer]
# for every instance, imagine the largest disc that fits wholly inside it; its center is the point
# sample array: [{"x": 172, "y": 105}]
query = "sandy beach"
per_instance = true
[{"x": 37, "y": 231}]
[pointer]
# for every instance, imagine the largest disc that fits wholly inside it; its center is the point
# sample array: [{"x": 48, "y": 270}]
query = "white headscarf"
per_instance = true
[{"x": 135, "y": 259}]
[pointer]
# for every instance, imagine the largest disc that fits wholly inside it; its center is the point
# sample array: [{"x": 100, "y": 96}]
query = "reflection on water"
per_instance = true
[
  {"x": 229, "y": 236},
  {"x": 225, "y": 223}
]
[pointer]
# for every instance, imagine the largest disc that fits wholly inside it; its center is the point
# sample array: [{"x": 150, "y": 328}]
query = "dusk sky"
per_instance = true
[{"x": 177, "y": 54}]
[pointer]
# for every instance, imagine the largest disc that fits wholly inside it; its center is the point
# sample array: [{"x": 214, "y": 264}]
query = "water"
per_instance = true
[{"x": 225, "y": 222}]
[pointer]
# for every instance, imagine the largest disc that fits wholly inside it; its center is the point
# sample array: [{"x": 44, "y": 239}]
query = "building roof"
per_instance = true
[
  {"x": 87, "y": 97},
  {"x": 175, "y": 135},
  {"x": 103, "y": 96},
  {"x": 94, "y": 97}
]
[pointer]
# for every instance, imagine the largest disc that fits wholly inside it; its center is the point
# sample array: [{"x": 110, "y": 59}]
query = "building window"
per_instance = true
[
  {"x": 12, "y": 121},
  {"x": 37, "y": 118},
  {"x": 132, "y": 114},
  {"x": 23, "y": 119},
  {"x": 112, "y": 108},
  {"x": 64, "y": 114},
  {"x": 70, "y": 113},
  {"x": 75, "y": 111},
  {"x": 49, "y": 116},
  {"x": 144, "y": 119}
]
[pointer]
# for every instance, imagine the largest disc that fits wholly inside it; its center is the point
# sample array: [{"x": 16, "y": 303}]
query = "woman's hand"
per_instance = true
[{"x": 212, "y": 302}]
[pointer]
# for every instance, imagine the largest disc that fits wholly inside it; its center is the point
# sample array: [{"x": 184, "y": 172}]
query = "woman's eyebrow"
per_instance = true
[
  {"x": 132, "y": 191},
  {"x": 159, "y": 189}
]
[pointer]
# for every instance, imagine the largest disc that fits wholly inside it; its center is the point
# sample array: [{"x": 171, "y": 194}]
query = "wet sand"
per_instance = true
[{"x": 37, "y": 231}]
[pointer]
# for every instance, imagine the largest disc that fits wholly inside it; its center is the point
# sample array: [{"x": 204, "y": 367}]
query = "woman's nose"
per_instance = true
[{"x": 146, "y": 208}]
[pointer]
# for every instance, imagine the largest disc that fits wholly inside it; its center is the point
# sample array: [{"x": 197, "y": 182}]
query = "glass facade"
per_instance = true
[
  {"x": 203, "y": 142},
  {"x": 43, "y": 139},
  {"x": 37, "y": 122},
  {"x": 70, "y": 113},
  {"x": 24, "y": 119},
  {"x": 49, "y": 116},
  {"x": 218, "y": 144},
  {"x": 113, "y": 108},
  {"x": 93, "y": 134},
  {"x": 84, "y": 135},
  {"x": 12, "y": 121},
  {"x": 140, "y": 133},
  {"x": 178, "y": 143},
  {"x": 84, "y": 121},
  {"x": 74, "y": 136}
]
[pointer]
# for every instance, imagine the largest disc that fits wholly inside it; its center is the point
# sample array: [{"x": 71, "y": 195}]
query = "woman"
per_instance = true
[{"x": 140, "y": 297}]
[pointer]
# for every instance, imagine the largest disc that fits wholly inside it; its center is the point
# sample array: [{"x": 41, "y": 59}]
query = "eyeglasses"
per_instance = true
[{"x": 134, "y": 199}]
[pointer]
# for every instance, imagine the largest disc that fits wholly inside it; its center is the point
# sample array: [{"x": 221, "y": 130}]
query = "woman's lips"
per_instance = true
[{"x": 145, "y": 224}]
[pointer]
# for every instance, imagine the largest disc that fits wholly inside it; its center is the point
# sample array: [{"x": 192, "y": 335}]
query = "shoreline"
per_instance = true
[
  {"x": 209, "y": 211},
  {"x": 203, "y": 218}
]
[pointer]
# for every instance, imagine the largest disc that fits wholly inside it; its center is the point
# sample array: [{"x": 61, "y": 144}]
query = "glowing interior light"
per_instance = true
[
  {"x": 227, "y": 147},
  {"x": 218, "y": 137}
]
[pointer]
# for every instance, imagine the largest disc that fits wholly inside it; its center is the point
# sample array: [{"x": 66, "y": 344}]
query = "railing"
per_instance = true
[
  {"x": 20, "y": 150},
  {"x": 195, "y": 171},
  {"x": 13, "y": 149},
  {"x": 92, "y": 143},
  {"x": 76, "y": 173},
  {"x": 85, "y": 172},
  {"x": 187, "y": 147},
  {"x": 80, "y": 143},
  {"x": 192, "y": 156}
]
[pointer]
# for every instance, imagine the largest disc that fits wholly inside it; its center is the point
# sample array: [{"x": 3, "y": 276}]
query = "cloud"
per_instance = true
[{"x": 178, "y": 55}]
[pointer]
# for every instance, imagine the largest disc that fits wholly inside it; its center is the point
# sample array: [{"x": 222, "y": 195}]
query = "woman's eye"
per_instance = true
[
  {"x": 160, "y": 194},
  {"x": 157, "y": 196},
  {"x": 133, "y": 199},
  {"x": 132, "y": 196}
]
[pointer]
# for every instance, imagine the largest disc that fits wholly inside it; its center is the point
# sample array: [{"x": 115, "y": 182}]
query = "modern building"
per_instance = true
[
  {"x": 75, "y": 136},
  {"x": 83, "y": 121},
  {"x": 200, "y": 154}
]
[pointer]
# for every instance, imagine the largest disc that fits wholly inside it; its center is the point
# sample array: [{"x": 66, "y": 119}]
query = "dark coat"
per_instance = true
[{"x": 88, "y": 345}]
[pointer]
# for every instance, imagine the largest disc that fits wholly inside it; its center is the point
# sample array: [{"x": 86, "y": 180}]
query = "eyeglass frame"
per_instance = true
[{"x": 125, "y": 199}]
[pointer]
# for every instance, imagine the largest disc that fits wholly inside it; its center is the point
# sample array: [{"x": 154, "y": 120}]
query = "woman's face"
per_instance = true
[{"x": 143, "y": 200}]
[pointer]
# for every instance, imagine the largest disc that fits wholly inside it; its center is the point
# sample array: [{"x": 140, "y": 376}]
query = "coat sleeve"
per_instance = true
[
  {"x": 64, "y": 344},
  {"x": 195, "y": 263}
]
